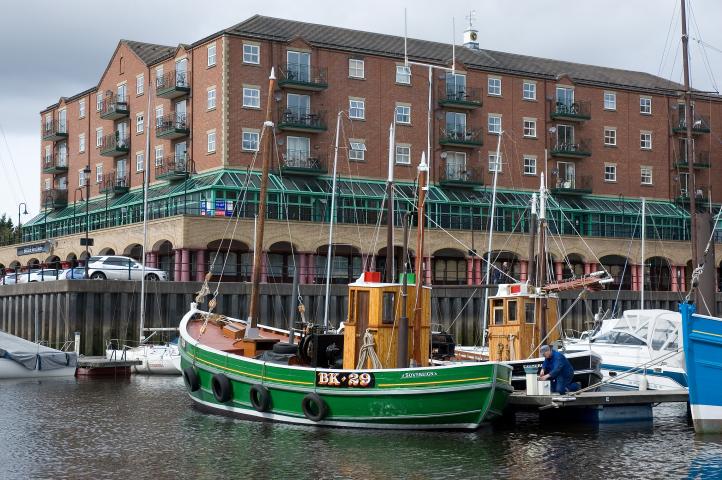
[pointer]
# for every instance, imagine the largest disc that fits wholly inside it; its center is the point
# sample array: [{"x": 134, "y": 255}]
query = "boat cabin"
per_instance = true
[{"x": 516, "y": 314}]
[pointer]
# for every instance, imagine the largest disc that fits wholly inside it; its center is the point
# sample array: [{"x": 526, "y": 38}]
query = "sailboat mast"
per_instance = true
[
  {"x": 141, "y": 322},
  {"x": 542, "y": 254},
  {"x": 531, "y": 267},
  {"x": 644, "y": 237},
  {"x": 258, "y": 241},
  {"x": 332, "y": 215},
  {"x": 390, "y": 208},
  {"x": 423, "y": 173}
]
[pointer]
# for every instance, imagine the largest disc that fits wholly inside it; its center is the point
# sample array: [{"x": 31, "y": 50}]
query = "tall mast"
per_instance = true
[
  {"x": 145, "y": 214},
  {"x": 252, "y": 330},
  {"x": 531, "y": 267},
  {"x": 390, "y": 208},
  {"x": 644, "y": 237},
  {"x": 423, "y": 173},
  {"x": 542, "y": 253},
  {"x": 332, "y": 215},
  {"x": 492, "y": 214}
]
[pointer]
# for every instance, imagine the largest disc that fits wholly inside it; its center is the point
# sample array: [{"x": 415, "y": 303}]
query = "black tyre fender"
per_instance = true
[
  {"x": 260, "y": 398},
  {"x": 190, "y": 378},
  {"x": 285, "y": 348},
  {"x": 222, "y": 389},
  {"x": 308, "y": 403}
]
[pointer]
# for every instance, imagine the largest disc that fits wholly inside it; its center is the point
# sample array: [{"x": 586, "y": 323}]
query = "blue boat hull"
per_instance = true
[{"x": 702, "y": 337}]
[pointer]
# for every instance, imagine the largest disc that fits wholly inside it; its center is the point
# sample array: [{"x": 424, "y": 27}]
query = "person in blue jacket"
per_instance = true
[{"x": 557, "y": 368}]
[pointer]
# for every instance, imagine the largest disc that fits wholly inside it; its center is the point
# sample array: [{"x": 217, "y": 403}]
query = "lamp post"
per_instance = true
[
  {"x": 75, "y": 201},
  {"x": 48, "y": 196},
  {"x": 25, "y": 212},
  {"x": 86, "y": 172}
]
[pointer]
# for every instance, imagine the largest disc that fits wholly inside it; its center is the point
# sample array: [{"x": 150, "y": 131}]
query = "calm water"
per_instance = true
[{"x": 146, "y": 428}]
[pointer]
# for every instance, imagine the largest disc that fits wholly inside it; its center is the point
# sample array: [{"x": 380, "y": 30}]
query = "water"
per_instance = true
[{"x": 145, "y": 427}]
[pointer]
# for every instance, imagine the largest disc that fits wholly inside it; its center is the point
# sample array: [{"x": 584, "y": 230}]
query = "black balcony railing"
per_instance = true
[
  {"x": 577, "y": 148},
  {"x": 55, "y": 163},
  {"x": 115, "y": 183},
  {"x": 301, "y": 119},
  {"x": 461, "y": 136},
  {"x": 700, "y": 160},
  {"x": 172, "y": 125},
  {"x": 55, "y": 130},
  {"x": 173, "y": 84},
  {"x": 55, "y": 198},
  {"x": 700, "y": 124},
  {"x": 114, "y": 107},
  {"x": 303, "y": 76},
  {"x": 459, "y": 96},
  {"x": 461, "y": 175},
  {"x": 574, "y": 111},
  {"x": 302, "y": 161},
  {"x": 174, "y": 167},
  {"x": 114, "y": 144},
  {"x": 574, "y": 185}
]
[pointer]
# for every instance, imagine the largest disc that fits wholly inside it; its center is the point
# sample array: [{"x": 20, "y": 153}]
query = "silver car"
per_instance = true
[{"x": 114, "y": 267}]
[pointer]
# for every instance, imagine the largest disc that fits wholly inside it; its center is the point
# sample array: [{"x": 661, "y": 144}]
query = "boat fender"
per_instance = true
[
  {"x": 314, "y": 408},
  {"x": 221, "y": 388},
  {"x": 190, "y": 377},
  {"x": 260, "y": 398}
]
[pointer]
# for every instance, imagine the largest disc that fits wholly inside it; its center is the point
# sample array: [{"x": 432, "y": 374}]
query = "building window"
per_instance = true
[
  {"x": 47, "y": 184},
  {"x": 139, "y": 162},
  {"x": 355, "y": 68},
  {"x": 81, "y": 178},
  {"x": 139, "y": 84},
  {"x": 357, "y": 108},
  {"x": 211, "y": 55},
  {"x": 494, "y": 163},
  {"x": 139, "y": 122},
  {"x": 494, "y": 124},
  {"x": 403, "y": 74},
  {"x": 403, "y": 154},
  {"x": 610, "y": 101},
  {"x": 529, "y": 165},
  {"x": 211, "y": 142},
  {"x": 530, "y": 128},
  {"x": 250, "y": 140},
  {"x": 81, "y": 108},
  {"x": 211, "y": 100},
  {"x": 251, "y": 53},
  {"x": 159, "y": 116},
  {"x": 403, "y": 114},
  {"x": 494, "y": 86},
  {"x": 610, "y": 172},
  {"x": 251, "y": 97},
  {"x": 529, "y": 90},
  {"x": 610, "y": 137},
  {"x": 99, "y": 173},
  {"x": 158, "y": 155},
  {"x": 98, "y": 101},
  {"x": 81, "y": 143},
  {"x": 645, "y": 140},
  {"x": 645, "y": 105},
  {"x": 99, "y": 137},
  {"x": 646, "y": 175},
  {"x": 357, "y": 152}
]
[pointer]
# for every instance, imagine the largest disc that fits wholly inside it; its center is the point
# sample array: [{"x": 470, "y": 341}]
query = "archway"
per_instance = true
[
  {"x": 166, "y": 258},
  {"x": 573, "y": 266},
  {"x": 448, "y": 267},
  {"x": 107, "y": 251},
  {"x": 505, "y": 267},
  {"x": 229, "y": 260},
  {"x": 281, "y": 266},
  {"x": 659, "y": 274},
  {"x": 53, "y": 261},
  {"x": 72, "y": 259},
  {"x": 380, "y": 261},
  {"x": 620, "y": 268},
  {"x": 33, "y": 264},
  {"x": 134, "y": 251},
  {"x": 346, "y": 263}
]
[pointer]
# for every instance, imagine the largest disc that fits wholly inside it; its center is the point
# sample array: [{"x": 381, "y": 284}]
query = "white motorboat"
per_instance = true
[
  {"x": 20, "y": 358},
  {"x": 157, "y": 359}
]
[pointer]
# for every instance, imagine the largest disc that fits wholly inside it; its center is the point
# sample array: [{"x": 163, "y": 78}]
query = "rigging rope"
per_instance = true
[{"x": 367, "y": 352}]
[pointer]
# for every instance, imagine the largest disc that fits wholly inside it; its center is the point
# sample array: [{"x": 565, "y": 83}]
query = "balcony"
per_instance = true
[
  {"x": 114, "y": 108},
  {"x": 301, "y": 120},
  {"x": 55, "y": 164},
  {"x": 56, "y": 198},
  {"x": 701, "y": 197},
  {"x": 114, "y": 145},
  {"x": 580, "y": 149},
  {"x": 700, "y": 124},
  {"x": 460, "y": 176},
  {"x": 174, "y": 167},
  {"x": 302, "y": 77},
  {"x": 302, "y": 162},
  {"x": 173, "y": 84},
  {"x": 578, "y": 185},
  {"x": 116, "y": 184},
  {"x": 701, "y": 160},
  {"x": 454, "y": 136},
  {"x": 456, "y": 97},
  {"x": 54, "y": 131},
  {"x": 571, "y": 112},
  {"x": 172, "y": 125}
]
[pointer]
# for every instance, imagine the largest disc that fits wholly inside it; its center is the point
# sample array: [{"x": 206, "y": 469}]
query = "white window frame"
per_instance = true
[
  {"x": 529, "y": 165},
  {"x": 492, "y": 88},
  {"x": 495, "y": 163},
  {"x": 139, "y": 84},
  {"x": 139, "y": 122},
  {"x": 356, "y": 68},
  {"x": 81, "y": 143},
  {"x": 646, "y": 173},
  {"x": 99, "y": 173},
  {"x": 402, "y": 155},
  {"x": 48, "y": 184},
  {"x": 529, "y": 128},
  {"x": 158, "y": 155},
  {"x": 610, "y": 137},
  {"x": 403, "y": 72},
  {"x": 99, "y": 137},
  {"x": 211, "y": 56},
  {"x": 99, "y": 101},
  {"x": 256, "y": 104},
  {"x": 81, "y": 108},
  {"x": 610, "y": 101},
  {"x": 211, "y": 141},
  {"x": 644, "y": 104},
  {"x": 610, "y": 172},
  {"x": 139, "y": 162},
  {"x": 247, "y": 136},
  {"x": 357, "y": 150},
  {"x": 249, "y": 54},
  {"x": 494, "y": 124},
  {"x": 528, "y": 94},
  {"x": 158, "y": 115},
  {"x": 358, "y": 105},
  {"x": 211, "y": 98},
  {"x": 81, "y": 177},
  {"x": 402, "y": 114},
  {"x": 645, "y": 140}
]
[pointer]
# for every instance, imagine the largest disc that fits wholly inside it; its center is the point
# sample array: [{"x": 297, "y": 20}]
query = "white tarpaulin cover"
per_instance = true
[{"x": 34, "y": 356}]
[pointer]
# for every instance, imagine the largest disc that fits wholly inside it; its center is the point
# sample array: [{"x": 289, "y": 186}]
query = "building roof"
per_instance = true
[
  {"x": 149, "y": 53},
  {"x": 269, "y": 28}
]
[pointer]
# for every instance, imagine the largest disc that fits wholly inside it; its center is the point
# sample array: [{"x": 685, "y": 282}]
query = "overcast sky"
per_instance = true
[{"x": 56, "y": 48}]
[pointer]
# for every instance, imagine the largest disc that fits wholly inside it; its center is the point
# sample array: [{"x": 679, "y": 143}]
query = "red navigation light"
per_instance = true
[{"x": 372, "y": 277}]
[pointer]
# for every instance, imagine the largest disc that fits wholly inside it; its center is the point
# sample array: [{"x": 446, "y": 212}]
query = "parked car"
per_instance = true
[
  {"x": 10, "y": 279},
  {"x": 77, "y": 273},
  {"x": 45, "y": 275},
  {"x": 114, "y": 267}
]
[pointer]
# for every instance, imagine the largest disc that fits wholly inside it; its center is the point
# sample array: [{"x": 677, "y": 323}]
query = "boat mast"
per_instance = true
[
  {"x": 332, "y": 214},
  {"x": 145, "y": 217},
  {"x": 390, "y": 207},
  {"x": 402, "y": 353},
  {"x": 419, "y": 271},
  {"x": 252, "y": 330},
  {"x": 542, "y": 254},
  {"x": 644, "y": 237},
  {"x": 531, "y": 267}
]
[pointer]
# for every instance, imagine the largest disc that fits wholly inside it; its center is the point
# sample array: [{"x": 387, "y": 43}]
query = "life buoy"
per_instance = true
[
  {"x": 221, "y": 388},
  {"x": 260, "y": 398},
  {"x": 314, "y": 408},
  {"x": 190, "y": 377}
]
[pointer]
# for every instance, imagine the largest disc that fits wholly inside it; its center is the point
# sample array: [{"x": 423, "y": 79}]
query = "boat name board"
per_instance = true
[{"x": 345, "y": 379}]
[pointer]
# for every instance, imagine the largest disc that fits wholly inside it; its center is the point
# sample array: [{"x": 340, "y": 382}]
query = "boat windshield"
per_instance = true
[
  {"x": 665, "y": 336},
  {"x": 617, "y": 337}
]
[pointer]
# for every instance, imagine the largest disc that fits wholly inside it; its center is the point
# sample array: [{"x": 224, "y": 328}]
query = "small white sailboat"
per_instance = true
[{"x": 20, "y": 358}]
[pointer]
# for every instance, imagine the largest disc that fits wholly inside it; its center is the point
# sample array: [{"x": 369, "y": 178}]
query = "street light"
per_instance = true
[
  {"x": 86, "y": 173},
  {"x": 48, "y": 196},
  {"x": 25, "y": 212},
  {"x": 75, "y": 201}
]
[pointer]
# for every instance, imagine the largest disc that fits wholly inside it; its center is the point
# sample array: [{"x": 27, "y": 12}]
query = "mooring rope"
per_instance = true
[{"x": 367, "y": 351}]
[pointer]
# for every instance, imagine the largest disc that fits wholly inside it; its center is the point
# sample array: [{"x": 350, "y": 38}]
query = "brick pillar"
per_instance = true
[
  {"x": 675, "y": 283},
  {"x": 177, "y": 260},
  {"x": 303, "y": 269},
  {"x": 587, "y": 268},
  {"x": 200, "y": 265},
  {"x": 311, "y": 268},
  {"x": 477, "y": 271},
  {"x": 558, "y": 271},
  {"x": 427, "y": 269},
  {"x": 185, "y": 273},
  {"x": 264, "y": 267},
  {"x": 682, "y": 269},
  {"x": 635, "y": 277},
  {"x": 470, "y": 270},
  {"x": 523, "y": 270}
]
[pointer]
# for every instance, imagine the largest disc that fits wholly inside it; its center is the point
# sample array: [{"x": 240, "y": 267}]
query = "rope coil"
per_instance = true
[{"x": 368, "y": 352}]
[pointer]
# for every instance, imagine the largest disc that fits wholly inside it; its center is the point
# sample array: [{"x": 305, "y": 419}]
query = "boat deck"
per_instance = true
[
  {"x": 213, "y": 337},
  {"x": 594, "y": 399}
]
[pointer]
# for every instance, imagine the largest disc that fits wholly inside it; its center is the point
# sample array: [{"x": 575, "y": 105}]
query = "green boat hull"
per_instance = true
[{"x": 460, "y": 396}]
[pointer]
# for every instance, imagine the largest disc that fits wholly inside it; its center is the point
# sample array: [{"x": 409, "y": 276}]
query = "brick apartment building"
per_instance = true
[{"x": 604, "y": 138}]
